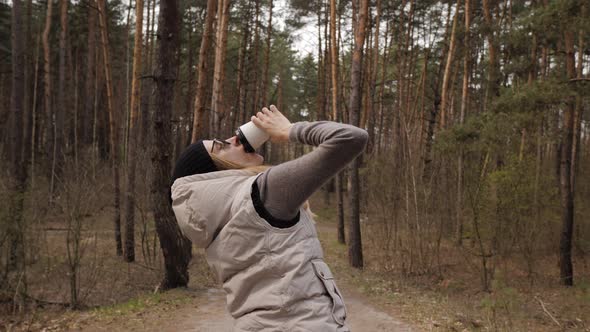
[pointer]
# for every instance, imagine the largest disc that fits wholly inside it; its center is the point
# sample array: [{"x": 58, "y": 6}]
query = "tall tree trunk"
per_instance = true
[
  {"x": 430, "y": 126},
  {"x": 28, "y": 87},
  {"x": 143, "y": 113},
  {"x": 90, "y": 78},
  {"x": 182, "y": 139},
  {"x": 355, "y": 251},
  {"x": 240, "y": 113},
  {"x": 327, "y": 72},
  {"x": 125, "y": 140},
  {"x": 321, "y": 65},
  {"x": 447, "y": 75},
  {"x": 335, "y": 115},
  {"x": 32, "y": 141},
  {"x": 148, "y": 88},
  {"x": 217, "y": 102},
  {"x": 113, "y": 129},
  {"x": 386, "y": 52},
  {"x": 199, "y": 112},
  {"x": 62, "y": 86},
  {"x": 464, "y": 100},
  {"x": 265, "y": 77},
  {"x": 18, "y": 171},
  {"x": 373, "y": 81},
  {"x": 255, "y": 60},
  {"x": 578, "y": 118},
  {"x": 566, "y": 174},
  {"x": 133, "y": 136},
  {"x": 47, "y": 72},
  {"x": 175, "y": 247},
  {"x": 492, "y": 79}
]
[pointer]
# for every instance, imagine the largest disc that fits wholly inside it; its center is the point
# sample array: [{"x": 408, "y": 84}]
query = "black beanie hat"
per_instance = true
[{"x": 194, "y": 160}]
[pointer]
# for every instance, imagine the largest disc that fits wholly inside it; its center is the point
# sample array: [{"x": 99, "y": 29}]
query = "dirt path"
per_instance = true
[
  {"x": 211, "y": 316},
  {"x": 205, "y": 312}
]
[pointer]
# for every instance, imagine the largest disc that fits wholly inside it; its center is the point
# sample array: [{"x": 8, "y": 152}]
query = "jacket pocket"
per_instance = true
[{"x": 323, "y": 272}]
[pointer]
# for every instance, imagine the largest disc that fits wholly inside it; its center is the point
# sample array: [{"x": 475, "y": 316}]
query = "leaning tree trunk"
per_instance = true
[
  {"x": 199, "y": 112},
  {"x": 355, "y": 249},
  {"x": 175, "y": 247},
  {"x": 113, "y": 130}
]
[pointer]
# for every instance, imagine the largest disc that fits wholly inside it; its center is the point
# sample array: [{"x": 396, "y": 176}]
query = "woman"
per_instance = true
[{"x": 260, "y": 242}]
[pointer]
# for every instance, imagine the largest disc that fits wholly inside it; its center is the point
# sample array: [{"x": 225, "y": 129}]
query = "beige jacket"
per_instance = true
[{"x": 275, "y": 278}]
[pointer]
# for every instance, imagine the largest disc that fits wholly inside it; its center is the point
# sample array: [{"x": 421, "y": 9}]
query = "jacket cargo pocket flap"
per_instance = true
[
  {"x": 322, "y": 270},
  {"x": 325, "y": 275}
]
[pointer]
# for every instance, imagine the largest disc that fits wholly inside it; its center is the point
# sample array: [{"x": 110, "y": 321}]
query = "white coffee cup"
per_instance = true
[{"x": 251, "y": 136}]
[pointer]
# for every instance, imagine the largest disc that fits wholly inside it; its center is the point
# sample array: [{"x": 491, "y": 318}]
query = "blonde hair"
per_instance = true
[{"x": 223, "y": 164}]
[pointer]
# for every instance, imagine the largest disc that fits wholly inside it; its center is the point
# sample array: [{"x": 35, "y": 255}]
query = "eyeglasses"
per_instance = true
[{"x": 218, "y": 141}]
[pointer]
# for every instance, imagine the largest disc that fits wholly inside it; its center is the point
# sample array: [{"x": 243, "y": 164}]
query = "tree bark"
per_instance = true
[
  {"x": 113, "y": 130},
  {"x": 182, "y": 139},
  {"x": 431, "y": 124},
  {"x": 373, "y": 81},
  {"x": 175, "y": 247},
  {"x": 33, "y": 131},
  {"x": 355, "y": 252},
  {"x": 335, "y": 115},
  {"x": 265, "y": 77},
  {"x": 578, "y": 118},
  {"x": 386, "y": 52},
  {"x": 240, "y": 113},
  {"x": 18, "y": 171},
  {"x": 333, "y": 61},
  {"x": 217, "y": 102},
  {"x": 492, "y": 81},
  {"x": 464, "y": 100},
  {"x": 199, "y": 112},
  {"x": 62, "y": 86},
  {"x": 255, "y": 60},
  {"x": 47, "y": 72},
  {"x": 565, "y": 174},
  {"x": 90, "y": 77},
  {"x": 321, "y": 65},
  {"x": 447, "y": 75},
  {"x": 133, "y": 136}
]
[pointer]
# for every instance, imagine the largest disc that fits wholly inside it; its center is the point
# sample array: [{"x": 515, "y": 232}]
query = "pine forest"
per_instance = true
[{"x": 469, "y": 209}]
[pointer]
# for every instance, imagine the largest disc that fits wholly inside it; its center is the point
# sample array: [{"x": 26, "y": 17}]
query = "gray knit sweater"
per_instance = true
[{"x": 285, "y": 187}]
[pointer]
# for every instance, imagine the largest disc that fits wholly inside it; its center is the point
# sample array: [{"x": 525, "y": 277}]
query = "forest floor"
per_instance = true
[{"x": 119, "y": 296}]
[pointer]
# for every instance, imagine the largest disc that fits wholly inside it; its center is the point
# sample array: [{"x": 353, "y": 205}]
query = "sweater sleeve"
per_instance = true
[{"x": 285, "y": 187}]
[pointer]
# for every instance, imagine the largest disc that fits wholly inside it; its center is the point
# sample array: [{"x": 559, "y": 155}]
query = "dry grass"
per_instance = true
[
  {"x": 451, "y": 299},
  {"x": 107, "y": 284},
  {"x": 113, "y": 291}
]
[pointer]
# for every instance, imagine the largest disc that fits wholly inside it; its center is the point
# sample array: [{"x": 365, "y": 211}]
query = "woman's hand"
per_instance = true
[{"x": 273, "y": 123}]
